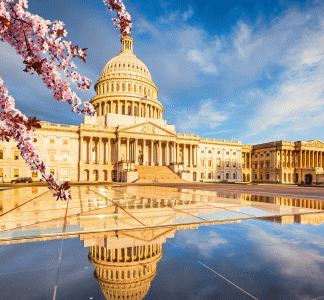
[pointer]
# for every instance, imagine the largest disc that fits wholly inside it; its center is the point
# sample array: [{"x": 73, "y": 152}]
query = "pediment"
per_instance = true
[
  {"x": 148, "y": 128},
  {"x": 314, "y": 143}
]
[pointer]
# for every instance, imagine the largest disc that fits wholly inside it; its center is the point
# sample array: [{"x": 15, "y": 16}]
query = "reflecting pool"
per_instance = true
[{"x": 113, "y": 242}]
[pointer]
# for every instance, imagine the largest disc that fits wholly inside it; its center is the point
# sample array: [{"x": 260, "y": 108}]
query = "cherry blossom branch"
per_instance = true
[
  {"x": 123, "y": 22},
  {"x": 40, "y": 43},
  {"x": 15, "y": 125}
]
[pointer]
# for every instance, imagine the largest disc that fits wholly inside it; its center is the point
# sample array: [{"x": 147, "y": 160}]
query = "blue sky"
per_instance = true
[{"x": 242, "y": 70}]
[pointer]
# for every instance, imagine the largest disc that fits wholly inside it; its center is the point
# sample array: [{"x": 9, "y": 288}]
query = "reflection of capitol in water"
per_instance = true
[
  {"x": 126, "y": 261},
  {"x": 125, "y": 227}
]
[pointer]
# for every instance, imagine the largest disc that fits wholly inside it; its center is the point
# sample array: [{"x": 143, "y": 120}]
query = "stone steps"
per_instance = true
[{"x": 149, "y": 174}]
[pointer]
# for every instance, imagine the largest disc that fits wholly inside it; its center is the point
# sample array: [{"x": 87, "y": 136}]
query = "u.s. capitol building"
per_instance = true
[{"x": 130, "y": 141}]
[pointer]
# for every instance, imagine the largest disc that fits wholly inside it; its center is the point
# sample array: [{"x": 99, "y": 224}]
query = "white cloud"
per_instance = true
[
  {"x": 205, "y": 116},
  {"x": 188, "y": 14}
]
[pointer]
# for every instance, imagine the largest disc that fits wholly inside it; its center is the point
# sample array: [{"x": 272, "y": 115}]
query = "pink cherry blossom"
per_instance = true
[{"x": 40, "y": 42}]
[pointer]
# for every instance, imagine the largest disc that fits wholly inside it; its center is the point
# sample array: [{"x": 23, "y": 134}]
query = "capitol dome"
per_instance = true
[
  {"x": 126, "y": 62},
  {"x": 125, "y": 86}
]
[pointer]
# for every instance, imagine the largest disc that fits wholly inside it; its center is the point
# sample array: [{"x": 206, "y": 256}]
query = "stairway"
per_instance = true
[{"x": 158, "y": 174}]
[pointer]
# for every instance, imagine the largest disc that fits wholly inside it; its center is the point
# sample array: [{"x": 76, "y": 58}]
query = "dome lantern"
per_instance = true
[{"x": 127, "y": 43}]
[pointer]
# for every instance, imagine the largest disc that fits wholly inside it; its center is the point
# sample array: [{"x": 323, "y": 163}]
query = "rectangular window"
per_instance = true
[
  {"x": 52, "y": 141},
  {"x": 234, "y": 176},
  {"x": 209, "y": 151},
  {"x": 1, "y": 154},
  {"x": 256, "y": 176},
  {"x": 209, "y": 163},
  {"x": 35, "y": 174},
  {"x": 65, "y": 142},
  {"x": 202, "y": 175},
  {"x": 16, "y": 173},
  {"x": 52, "y": 156},
  {"x": 202, "y": 162},
  {"x": 261, "y": 176},
  {"x": 227, "y": 175},
  {"x": 16, "y": 155},
  {"x": 65, "y": 156},
  {"x": 267, "y": 176},
  {"x": 65, "y": 173}
]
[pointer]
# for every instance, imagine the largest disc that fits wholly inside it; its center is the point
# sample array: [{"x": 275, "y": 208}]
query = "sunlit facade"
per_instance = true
[{"x": 128, "y": 140}]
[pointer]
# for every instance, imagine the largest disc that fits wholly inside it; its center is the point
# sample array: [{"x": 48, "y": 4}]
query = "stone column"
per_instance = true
[
  {"x": 317, "y": 164},
  {"x": 118, "y": 149},
  {"x": 307, "y": 159},
  {"x": 167, "y": 154},
  {"x": 90, "y": 152},
  {"x": 127, "y": 149},
  {"x": 160, "y": 153},
  {"x": 118, "y": 107},
  {"x": 135, "y": 152},
  {"x": 174, "y": 158},
  {"x": 81, "y": 148},
  {"x": 191, "y": 160},
  {"x": 143, "y": 150},
  {"x": 108, "y": 151},
  {"x": 177, "y": 154},
  {"x": 321, "y": 159},
  {"x": 152, "y": 149},
  {"x": 185, "y": 163},
  {"x": 281, "y": 158},
  {"x": 99, "y": 148}
]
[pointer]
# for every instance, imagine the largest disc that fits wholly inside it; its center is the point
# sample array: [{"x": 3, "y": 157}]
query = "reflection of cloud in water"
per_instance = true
[
  {"x": 290, "y": 256},
  {"x": 204, "y": 243}
]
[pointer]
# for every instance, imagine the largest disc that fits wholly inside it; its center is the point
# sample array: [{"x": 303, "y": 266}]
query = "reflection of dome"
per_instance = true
[{"x": 125, "y": 273}]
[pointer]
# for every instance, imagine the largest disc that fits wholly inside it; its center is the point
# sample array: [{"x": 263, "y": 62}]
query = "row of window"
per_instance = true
[
  {"x": 218, "y": 152},
  {"x": 218, "y": 163},
  {"x": 261, "y": 155},
  {"x": 16, "y": 173},
  {"x": 16, "y": 155},
  {"x": 218, "y": 176},
  {"x": 112, "y": 87}
]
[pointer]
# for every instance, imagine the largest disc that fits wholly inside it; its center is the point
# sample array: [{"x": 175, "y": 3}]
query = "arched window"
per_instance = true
[
  {"x": 117, "y": 87},
  {"x": 144, "y": 90},
  {"x": 129, "y": 87},
  {"x": 123, "y": 87},
  {"x": 135, "y": 88},
  {"x": 140, "y": 89},
  {"x": 107, "y": 88},
  {"x": 218, "y": 162},
  {"x": 112, "y": 87}
]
